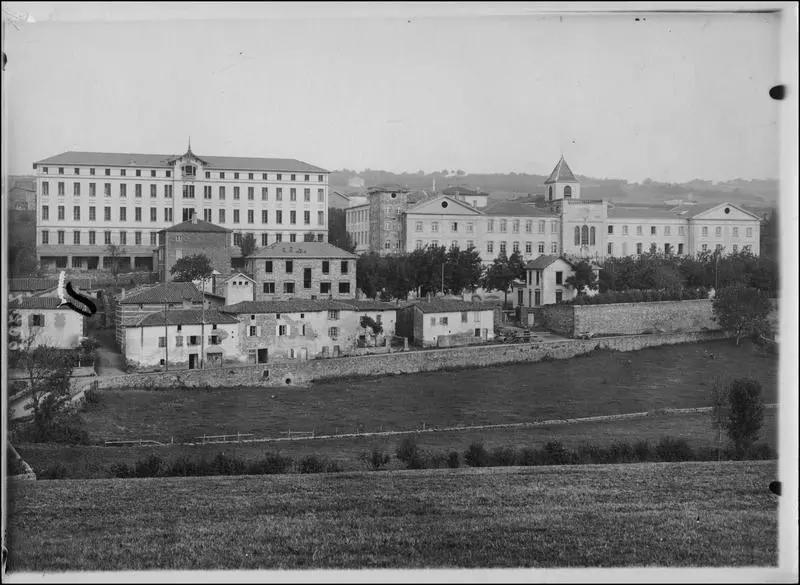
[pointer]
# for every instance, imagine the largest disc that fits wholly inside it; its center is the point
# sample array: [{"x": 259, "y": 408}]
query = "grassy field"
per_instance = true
[
  {"x": 668, "y": 514},
  {"x": 95, "y": 461},
  {"x": 605, "y": 383}
]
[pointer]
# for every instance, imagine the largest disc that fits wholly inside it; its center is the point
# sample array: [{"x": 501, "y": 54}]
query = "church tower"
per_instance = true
[{"x": 562, "y": 184}]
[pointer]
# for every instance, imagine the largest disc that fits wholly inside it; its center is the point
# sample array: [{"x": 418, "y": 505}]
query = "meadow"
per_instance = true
[{"x": 642, "y": 515}]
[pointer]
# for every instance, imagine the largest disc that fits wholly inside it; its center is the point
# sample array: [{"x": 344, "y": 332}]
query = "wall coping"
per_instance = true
[{"x": 637, "y": 303}]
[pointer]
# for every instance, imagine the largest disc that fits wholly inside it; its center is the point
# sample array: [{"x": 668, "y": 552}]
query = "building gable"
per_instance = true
[
  {"x": 443, "y": 205},
  {"x": 723, "y": 212}
]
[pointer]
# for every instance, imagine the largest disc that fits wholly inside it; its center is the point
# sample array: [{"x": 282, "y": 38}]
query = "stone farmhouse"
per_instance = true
[
  {"x": 43, "y": 321},
  {"x": 443, "y": 323},
  {"x": 189, "y": 238}
]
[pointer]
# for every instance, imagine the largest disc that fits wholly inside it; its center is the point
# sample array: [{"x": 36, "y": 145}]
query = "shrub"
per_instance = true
[
  {"x": 149, "y": 467},
  {"x": 761, "y": 451},
  {"x": 184, "y": 466},
  {"x": 453, "y": 460},
  {"x": 225, "y": 465},
  {"x": 375, "y": 459},
  {"x": 311, "y": 464},
  {"x": 272, "y": 463},
  {"x": 502, "y": 457},
  {"x": 54, "y": 471},
  {"x": 555, "y": 453},
  {"x": 641, "y": 450},
  {"x": 476, "y": 455},
  {"x": 669, "y": 449},
  {"x": 745, "y": 415},
  {"x": 92, "y": 397},
  {"x": 121, "y": 470},
  {"x": 408, "y": 452}
]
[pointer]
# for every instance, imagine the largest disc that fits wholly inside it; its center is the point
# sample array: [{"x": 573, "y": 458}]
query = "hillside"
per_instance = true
[{"x": 652, "y": 514}]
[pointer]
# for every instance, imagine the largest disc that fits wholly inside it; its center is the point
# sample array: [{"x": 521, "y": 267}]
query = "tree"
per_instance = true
[
  {"x": 463, "y": 270},
  {"x": 191, "y": 268},
  {"x": 746, "y": 413},
  {"x": 247, "y": 244},
  {"x": 337, "y": 230},
  {"x": 583, "y": 276},
  {"x": 742, "y": 310},
  {"x": 22, "y": 258},
  {"x": 719, "y": 411},
  {"x": 115, "y": 252},
  {"x": 368, "y": 277},
  {"x": 499, "y": 276}
]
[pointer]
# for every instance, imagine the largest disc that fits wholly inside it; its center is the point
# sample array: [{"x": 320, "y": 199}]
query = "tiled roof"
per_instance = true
[
  {"x": 186, "y": 317},
  {"x": 115, "y": 159},
  {"x": 196, "y": 226},
  {"x": 544, "y": 261},
  {"x": 461, "y": 190},
  {"x": 239, "y": 275},
  {"x": 450, "y": 306},
  {"x": 37, "y": 284},
  {"x": 43, "y": 303},
  {"x": 387, "y": 188},
  {"x": 169, "y": 292},
  {"x": 515, "y": 208},
  {"x": 561, "y": 172},
  {"x": 288, "y": 306},
  {"x": 301, "y": 250},
  {"x": 637, "y": 212},
  {"x": 372, "y": 305},
  {"x": 691, "y": 211}
]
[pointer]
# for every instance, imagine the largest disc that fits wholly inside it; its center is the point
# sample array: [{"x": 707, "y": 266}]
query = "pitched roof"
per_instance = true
[
  {"x": 166, "y": 292},
  {"x": 196, "y": 226},
  {"x": 544, "y": 261},
  {"x": 186, "y": 317},
  {"x": 288, "y": 306},
  {"x": 450, "y": 306},
  {"x": 462, "y": 190},
  {"x": 417, "y": 206},
  {"x": 561, "y": 172},
  {"x": 387, "y": 188},
  {"x": 641, "y": 212},
  {"x": 516, "y": 208},
  {"x": 301, "y": 250},
  {"x": 43, "y": 303},
  {"x": 691, "y": 211},
  {"x": 371, "y": 305},
  {"x": 118, "y": 159},
  {"x": 239, "y": 275}
]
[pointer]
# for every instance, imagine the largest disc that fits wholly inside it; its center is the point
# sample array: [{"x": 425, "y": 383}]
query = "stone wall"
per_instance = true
[
  {"x": 629, "y": 318},
  {"x": 304, "y": 372}
]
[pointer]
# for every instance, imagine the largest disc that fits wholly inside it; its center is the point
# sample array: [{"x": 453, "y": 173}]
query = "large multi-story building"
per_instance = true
[
  {"x": 88, "y": 200},
  {"x": 566, "y": 224},
  {"x": 190, "y": 238}
]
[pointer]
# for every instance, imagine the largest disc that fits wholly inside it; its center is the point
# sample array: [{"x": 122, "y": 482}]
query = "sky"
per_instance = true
[{"x": 671, "y": 97}]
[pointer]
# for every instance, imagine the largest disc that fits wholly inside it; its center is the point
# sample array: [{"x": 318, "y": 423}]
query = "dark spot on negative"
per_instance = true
[{"x": 777, "y": 92}]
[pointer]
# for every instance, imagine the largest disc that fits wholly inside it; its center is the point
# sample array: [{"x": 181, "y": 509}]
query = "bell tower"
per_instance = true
[{"x": 562, "y": 184}]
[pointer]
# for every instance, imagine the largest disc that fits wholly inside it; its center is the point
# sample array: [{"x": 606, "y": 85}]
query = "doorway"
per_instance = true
[
  {"x": 263, "y": 355},
  {"x": 192, "y": 361}
]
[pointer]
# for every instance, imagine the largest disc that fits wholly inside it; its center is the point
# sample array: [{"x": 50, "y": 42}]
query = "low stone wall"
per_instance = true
[
  {"x": 300, "y": 373},
  {"x": 629, "y": 318}
]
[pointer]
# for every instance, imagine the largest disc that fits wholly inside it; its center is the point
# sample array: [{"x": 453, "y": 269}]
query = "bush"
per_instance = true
[
  {"x": 271, "y": 464},
  {"x": 225, "y": 465},
  {"x": 149, "y": 467},
  {"x": 745, "y": 415},
  {"x": 555, "y": 453},
  {"x": 311, "y": 464},
  {"x": 121, "y": 470},
  {"x": 54, "y": 471},
  {"x": 476, "y": 455},
  {"x": 408, "y": 452},
  {"x": 502, "y": 457},
  {"x": 375, "y": 459},
  {"x": 453, "y": 460},
  {"x": 669, "y": 449},
  {"x": 184, "y": 466},
  {"x": 92, "y": 397}
]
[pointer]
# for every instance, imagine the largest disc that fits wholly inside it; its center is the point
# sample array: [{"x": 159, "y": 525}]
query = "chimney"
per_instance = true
[{"x": 122, "y": 294}]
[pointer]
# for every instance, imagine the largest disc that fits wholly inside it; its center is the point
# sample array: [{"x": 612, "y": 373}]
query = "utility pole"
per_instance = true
[
  {"x": 166, "y": 339},
  {"x": 442, "y": 279},
  {"x": 203, "y": 323}
]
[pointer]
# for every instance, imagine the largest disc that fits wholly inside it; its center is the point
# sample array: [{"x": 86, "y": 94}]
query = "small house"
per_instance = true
[
  {"x": 445, "y": 322},
  {"x": 43, "y": 321}
]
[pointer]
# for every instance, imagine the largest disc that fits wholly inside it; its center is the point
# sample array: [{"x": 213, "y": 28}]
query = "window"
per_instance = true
[
  {"x": 123, "y": 190},
  {"x": 76, "y": 212},
  {"x": 540, "y": 247},
  {"x": 585, "y": 236},
  {"x": 553, "y": 248},
  {"x": 207, "y": 215},
  {"x": 325, "y": 288},
  {"x": 222, "y": 192},
  {"x": 207, "y": 192},
  {"x": 60, "y": 235},
  {"x": 326, "y": 265},
  {"x": 292, "y": 194},
  {"x": 60, "y": 170},
  {"x": 279, "y": 193},
  {"x": 179, "y": 339},
  {"x": 434, "y": 226},
  {"x": 681, "y": 230},
  {"x": 235, "y": 175},
  {"x": 306, "y": 278},
  {"x": 333, "y": 332},
  {"x": 515, "y": 226},
  {"x": 264, "y": 239},
  {"x": 307, "y": 218},
  {"x": 269, "y": 288},
  {"x": 137, "y": 238},
  {"x": 137, "y": 189},
  {"x": 252, "y": 331},
  {"x": 162, "y": 342},
  {"x": 108, "y": 172},
  {"x": 433, "y": 320},
  {"x": 92, "y": 213},
  {"x": 92, "y": 238},
  {"x": 237, "y": 238},
  {"x": 194, "y": 340},
  {"x": 736, "y": 232},
  {"x": 442, "y": 320},
  {"x": 76, "y": 237},
  {"x": 250, "y": 216},
  {"x": 704, "y": 231},
  {"x": 289, "y": 266},
  {"x": 137, "y": 214},
  {"x": 222, "y": 175},
  {"x": 235, "y": 216},
  {"x": 152, "y": 173},
  {"x": 153, "y": 238},
  {"x": 464, "y": 317},
  {"x": 321, "y": 195},
  {"x": 294, "y": 177},
  {"x": 680, "y": 248},
  {"x": 61, "y": 212},
  {"x": 639, "y": 248},
  {"x": 514, "y": 246},
  {"x": 251, "y": 193},
  {"x": 718, "y": 231},
  {"x": 528, "y": 247},
  {"x": 490, "y": 225},
  {"x": 559, "y": 277},
  {"x": 292, "y": 217},
  {"x": 45, "y": 237},
  {"x": 344, "y": 288},
  {"x": 106, "y": 237},
  {"x": 123, "y": 238},
  {"x": 735, "y": 248},
  {"x": 221, "y": 216},
  {"x": 453, "y": 226},
  {"x": 470, "y": 227},
  {"x": 638, "y": 230},
  {"x": 320, "y": 219},
  {"x": 541, "y": 227},
  {"x": 123, "y": 213},
  {"x": 610, "y": 249},
  {"x": 45, "y": 212},
  {"x": 278, "y": 237},
  {"x": 749, "y": 232},
  {"x": 418, "y": 244},
  {"x": 45, "y": 170},
  {"x": 502, "y": 247},
  {"x": 76, "y": 189},
  {"x": 168, "y": 191},
  {"x": 345, "y": 266},
  {"x": 288, "y": 287},
  {"x": 263, "y": 176},
  {"x": 503, "y": 225},
  {"x": 333, "y": 315},
  {"x": 45, "y": 188},
  {"x": 490, "y": 247},
  {"x": 610, "y": 229},
  {"x": 666, "y": 230},
  {"x": 122, "y": 172},
  {"x": 306, "y": 194}
]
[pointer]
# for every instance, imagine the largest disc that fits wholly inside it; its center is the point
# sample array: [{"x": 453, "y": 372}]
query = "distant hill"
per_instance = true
[{"x": 756, "y": 194}]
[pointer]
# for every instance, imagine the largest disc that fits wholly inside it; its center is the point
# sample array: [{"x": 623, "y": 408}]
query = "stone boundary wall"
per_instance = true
[
  {"x": 301, "y": 373},
  {"x": 630, "y": 318}
]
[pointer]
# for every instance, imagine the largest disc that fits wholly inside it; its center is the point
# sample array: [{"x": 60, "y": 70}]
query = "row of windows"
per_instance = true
[
  {"x": 516, "y": 223},
  {"x": 540, "y": 247},
  {"x": 122, "y": 191},
  {"x": 283, "y": 330},
  {"x": 208, "y": 193},
  {"x": 278, "y": 216},
  {"x": 476, "y": 317},
  {"x": 454, "y": 226},
  {"x": 359, "y": 216},
  {"x": 191, "y": 340},
  {"x": 139, "y": 238},
  {"x": 188, "y": 170},
  {"x": 289, "y": 287},
  {"x": 667, "y": 230},
  {"x": 668, "y": 248},
  {"x": 344, "y": 267},
  {"x": 237, "y": 238}
]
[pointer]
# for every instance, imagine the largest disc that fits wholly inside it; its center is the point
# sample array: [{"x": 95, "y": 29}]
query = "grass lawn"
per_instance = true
[
  {"x": 656, "y": 514},
  {"x": 95, "y": 461},
  {"x": 604, "y": 383}
]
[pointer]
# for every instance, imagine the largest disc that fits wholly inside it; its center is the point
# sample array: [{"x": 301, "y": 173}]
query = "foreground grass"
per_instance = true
[
  {"x": 677, "y": 376},
  {"x": 94, "y": 461},
  {"x": 656, "y": 514}
]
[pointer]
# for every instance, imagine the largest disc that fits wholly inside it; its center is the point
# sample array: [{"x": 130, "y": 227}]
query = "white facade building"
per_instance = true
[{"x": 88, "y": 200}]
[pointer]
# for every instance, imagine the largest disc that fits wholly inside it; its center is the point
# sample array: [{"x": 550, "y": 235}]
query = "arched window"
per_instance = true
[
  {"x": 550, "y": 192},
  {"x": 577, "y": 236},
  {"x": 567, "y": 192},
  {"x": 592, "y": 236},
  {"x": 584, "y": 236}
]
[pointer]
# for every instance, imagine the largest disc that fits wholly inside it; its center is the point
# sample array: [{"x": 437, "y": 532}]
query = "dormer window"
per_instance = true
[{"x": 189, "y": 170}]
